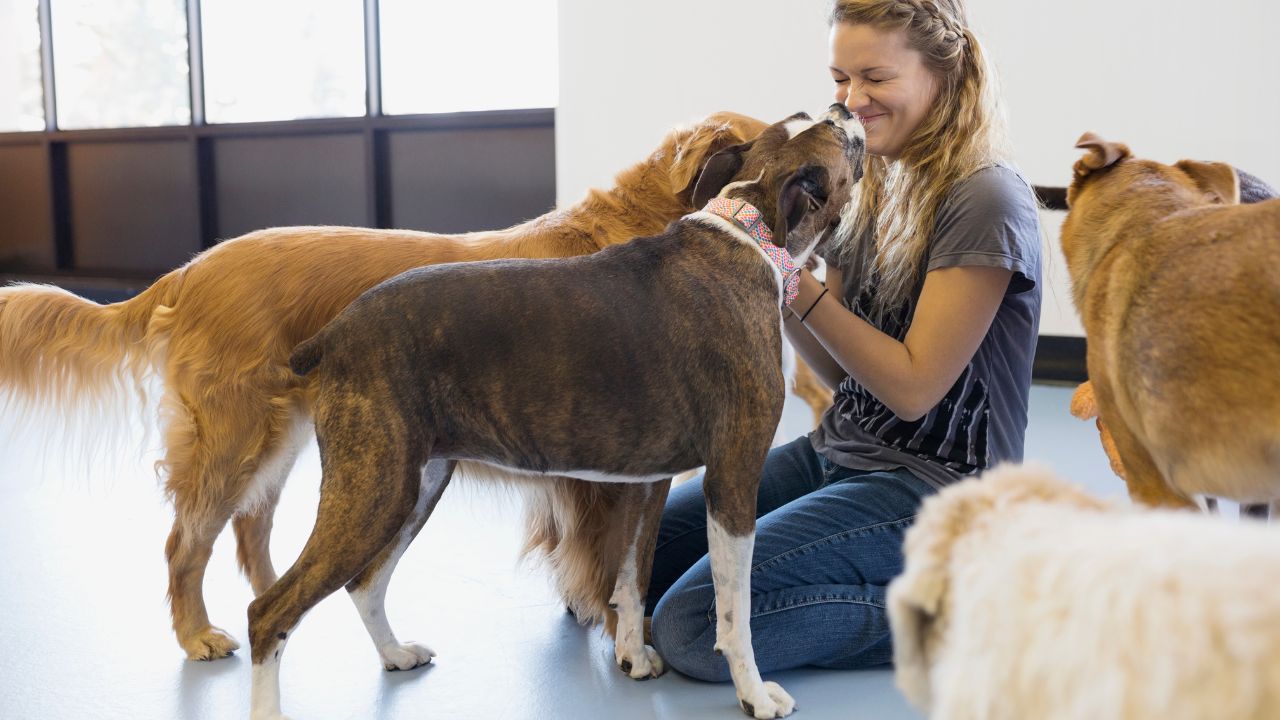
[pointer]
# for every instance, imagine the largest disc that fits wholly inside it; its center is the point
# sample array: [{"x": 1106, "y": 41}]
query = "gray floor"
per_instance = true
[{"x": 84, "y": 629}]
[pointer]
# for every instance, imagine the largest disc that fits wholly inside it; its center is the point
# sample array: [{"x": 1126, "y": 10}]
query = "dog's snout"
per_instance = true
[{"x": 838, "y": 111}]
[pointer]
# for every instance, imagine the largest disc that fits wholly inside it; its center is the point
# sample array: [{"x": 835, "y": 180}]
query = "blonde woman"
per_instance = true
[{"x": 926, "y": 329}]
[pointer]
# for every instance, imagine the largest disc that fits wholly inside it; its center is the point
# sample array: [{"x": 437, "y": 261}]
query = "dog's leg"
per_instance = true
[
  {"x": 369, "y": 589},
  {"x": 253, "y": 544},
  {"x": 730, "y": 487},
  {"x": 642, "y": 508},
  {"x": 188, "y": 549},
  {"x": 367, "y": 495},
  {"x": 258, "y": 505},
  {"x": 1146, "y": 484},
  {"x": 810, "y": 389}
]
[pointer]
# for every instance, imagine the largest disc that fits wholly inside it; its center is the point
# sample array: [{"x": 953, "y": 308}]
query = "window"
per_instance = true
[
  {"x": 283, "y": 59},
  {"x": 455, "y": 56},
  {"x": 21, "y": 89},
  {"x": 120, "y": 64}
]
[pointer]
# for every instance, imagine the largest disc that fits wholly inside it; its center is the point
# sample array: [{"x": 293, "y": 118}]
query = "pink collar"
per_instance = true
[{"x": 747, "y": 217}]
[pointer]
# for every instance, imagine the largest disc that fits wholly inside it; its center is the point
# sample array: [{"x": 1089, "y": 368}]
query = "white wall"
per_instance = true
[{"x": 1173, "y": 78}]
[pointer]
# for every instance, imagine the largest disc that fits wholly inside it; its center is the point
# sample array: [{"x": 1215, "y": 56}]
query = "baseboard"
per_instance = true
[{"x": 1059, "y": 358}]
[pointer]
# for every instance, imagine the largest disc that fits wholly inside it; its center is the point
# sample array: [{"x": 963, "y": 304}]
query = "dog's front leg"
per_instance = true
[
  {"x": 731, "y": 536},
  {"x": 642, "y": 510}
]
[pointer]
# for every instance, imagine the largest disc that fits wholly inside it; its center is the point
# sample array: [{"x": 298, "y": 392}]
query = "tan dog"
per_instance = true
[
  {"x": 1180, "y": 298},
  {"x": 220, "y": 329},
  {"x": 1025, "y": 598}
]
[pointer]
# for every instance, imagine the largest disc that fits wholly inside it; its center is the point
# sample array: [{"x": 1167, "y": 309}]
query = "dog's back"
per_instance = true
[{"x": 1196, "y": 348}]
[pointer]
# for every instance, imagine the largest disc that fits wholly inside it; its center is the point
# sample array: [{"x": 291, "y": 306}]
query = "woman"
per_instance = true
[{"x": 926, "y": 327}]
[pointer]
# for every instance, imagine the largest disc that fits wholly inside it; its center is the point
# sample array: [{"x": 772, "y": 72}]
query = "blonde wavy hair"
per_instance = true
[{"x": 888, "y": 224}]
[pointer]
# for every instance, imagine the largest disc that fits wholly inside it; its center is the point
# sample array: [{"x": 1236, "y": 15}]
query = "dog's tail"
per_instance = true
[
  {"x": 307, "y": 355},
  {"x": 569, "y": 528},
  {"x": 60, "y": 351}
]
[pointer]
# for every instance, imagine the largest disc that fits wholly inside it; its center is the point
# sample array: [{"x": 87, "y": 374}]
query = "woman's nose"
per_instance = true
[{"x": 855, "y": 98}]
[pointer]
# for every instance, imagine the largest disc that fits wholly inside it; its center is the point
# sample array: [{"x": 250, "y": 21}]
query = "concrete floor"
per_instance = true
[{"x": 84, "y": 628}]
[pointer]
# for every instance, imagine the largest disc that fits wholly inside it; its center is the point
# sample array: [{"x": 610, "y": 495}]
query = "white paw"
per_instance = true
[
  {"x": 406, "y": 657},
  {"x": 272, "y": 716},
  {"x": 767, "y": 702},
  {"x": 641, "y": 666}
]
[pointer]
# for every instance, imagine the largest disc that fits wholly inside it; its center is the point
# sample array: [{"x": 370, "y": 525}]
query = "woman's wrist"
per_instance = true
[{"x": 810, "y": 291}]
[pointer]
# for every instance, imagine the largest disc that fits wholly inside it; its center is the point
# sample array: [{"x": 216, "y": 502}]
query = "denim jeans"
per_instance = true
[{"x": 828, "y": 541}]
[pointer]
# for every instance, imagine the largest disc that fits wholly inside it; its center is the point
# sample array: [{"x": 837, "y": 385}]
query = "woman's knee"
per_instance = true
[{"x": 684, "y": 634}]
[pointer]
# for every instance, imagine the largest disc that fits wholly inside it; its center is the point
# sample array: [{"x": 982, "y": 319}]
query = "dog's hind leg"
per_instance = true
[
  {"x": 212, "y": 448},
  {"x": 368, "y": 493},
  {"x": 730, "y": 484},
  {"x": 369, "y": 589},
  {"x": 641, "y": 510},
  {"x": 253, "y": 522}
]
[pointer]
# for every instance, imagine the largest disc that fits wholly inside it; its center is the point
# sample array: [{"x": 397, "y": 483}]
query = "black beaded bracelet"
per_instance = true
[{"x": 814, "y": 305}]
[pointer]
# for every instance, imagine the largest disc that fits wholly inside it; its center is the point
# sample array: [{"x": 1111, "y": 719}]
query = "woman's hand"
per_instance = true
[{"x": 952, "y": 316}]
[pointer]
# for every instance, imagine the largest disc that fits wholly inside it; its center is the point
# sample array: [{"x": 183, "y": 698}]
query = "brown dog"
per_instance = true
[
  {"x": 1177, "y": 288},
  {"x": 636, "y": 363},
  {"x": 220, "y": 330}
]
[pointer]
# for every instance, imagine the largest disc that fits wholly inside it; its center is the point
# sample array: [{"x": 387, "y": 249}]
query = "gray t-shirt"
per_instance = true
[{"x": 990, "y": 219}]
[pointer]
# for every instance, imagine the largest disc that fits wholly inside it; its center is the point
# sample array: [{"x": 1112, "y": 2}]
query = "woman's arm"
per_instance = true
[
  {"x": 952, "y": 316},
  {"x": 824, "y": 366}
]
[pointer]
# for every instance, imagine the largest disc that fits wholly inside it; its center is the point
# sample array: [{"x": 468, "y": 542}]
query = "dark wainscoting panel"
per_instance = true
[
  {"x": 1060, "y": 358},
  {"x": 303, "y": 180},
  {"x": 459, "y": 180},
  {"x": 134, "y": 207},
  {"x": 26, "y": 210}
]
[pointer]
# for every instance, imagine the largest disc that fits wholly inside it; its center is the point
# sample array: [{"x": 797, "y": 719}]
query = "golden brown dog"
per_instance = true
[
  {"x": 1179, "y": 294},
  {"x": 219, "y": 332}
]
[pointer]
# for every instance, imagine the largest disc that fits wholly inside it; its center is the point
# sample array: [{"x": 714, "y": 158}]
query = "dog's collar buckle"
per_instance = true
[{"x": 748, "y": 217}]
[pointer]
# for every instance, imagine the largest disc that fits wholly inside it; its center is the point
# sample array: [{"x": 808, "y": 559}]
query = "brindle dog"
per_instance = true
[{"x": 630, "y": 365}]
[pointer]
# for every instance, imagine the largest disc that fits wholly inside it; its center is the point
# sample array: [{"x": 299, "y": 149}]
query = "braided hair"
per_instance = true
[{"x": 885, "y": 233}]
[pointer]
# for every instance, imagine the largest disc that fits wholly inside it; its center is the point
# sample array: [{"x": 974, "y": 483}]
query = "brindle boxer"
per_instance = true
[{"x": 630, "y": 365}]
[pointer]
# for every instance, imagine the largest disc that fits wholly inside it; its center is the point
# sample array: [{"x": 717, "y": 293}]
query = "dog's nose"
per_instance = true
[{"x": 838, "y": 111}]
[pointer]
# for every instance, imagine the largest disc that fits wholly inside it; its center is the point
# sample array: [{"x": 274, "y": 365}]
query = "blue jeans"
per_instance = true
[{"x": 828, "y": 541}]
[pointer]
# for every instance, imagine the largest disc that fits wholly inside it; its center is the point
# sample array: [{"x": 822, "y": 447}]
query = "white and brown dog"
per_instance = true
[
  {"x": 1024, "y": 598},
  {"x": 636, "y": 363}
]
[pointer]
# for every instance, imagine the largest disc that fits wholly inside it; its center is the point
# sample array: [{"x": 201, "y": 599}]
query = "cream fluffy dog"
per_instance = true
[{"x": 1024, "y": 598}]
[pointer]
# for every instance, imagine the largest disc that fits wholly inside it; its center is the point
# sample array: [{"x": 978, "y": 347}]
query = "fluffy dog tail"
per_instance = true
[
  {"x": 569, "y": 528},
  {"x": 60, "y": 351}
]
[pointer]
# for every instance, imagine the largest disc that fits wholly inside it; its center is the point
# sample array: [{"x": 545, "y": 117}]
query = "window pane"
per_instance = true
[
  {"x": 453, "y": 56},
  {"x": 121, "y": 63},
  {"x": 21, "y": 92},
  {"x": 283, "y": 59}
]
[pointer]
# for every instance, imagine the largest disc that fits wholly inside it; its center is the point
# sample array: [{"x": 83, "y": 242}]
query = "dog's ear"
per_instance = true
[
  {"x": 1213, "y": 178},
  {"x": 1102, "y": 154},
  {"x": 718, "y": 172},
  {"x": 802, "y": 193},
  {"x": 691, "y": 154},
  {"x": 1253, "y": 188},
  {"x": 915, "y": 598}
]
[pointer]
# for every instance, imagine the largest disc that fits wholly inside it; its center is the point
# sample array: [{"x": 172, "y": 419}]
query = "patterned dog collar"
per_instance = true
[{"x": 748, "y": 217}]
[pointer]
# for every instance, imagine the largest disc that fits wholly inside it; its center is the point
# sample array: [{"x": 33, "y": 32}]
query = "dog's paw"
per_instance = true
[
  {"x": 769, "y": 701},
  {"x": 405, "y": 657},
  {"x": 643, "y": 665},
  {"x": 1084, "y": 404},
  {"x": 209, "y": 644}
]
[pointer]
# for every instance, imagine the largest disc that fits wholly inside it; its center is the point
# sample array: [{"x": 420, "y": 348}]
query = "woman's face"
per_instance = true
[{"x": 879, "y": 77}]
